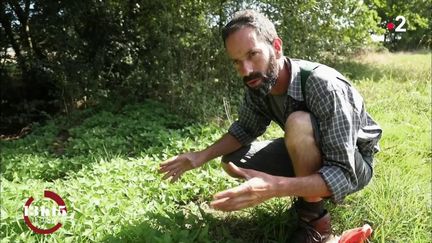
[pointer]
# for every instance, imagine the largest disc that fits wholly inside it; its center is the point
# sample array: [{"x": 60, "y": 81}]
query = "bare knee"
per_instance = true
[
  {"x": 298, "y": 128},
  {"x": 301, "y": 144},
  {"x": 298, "y": 118}
]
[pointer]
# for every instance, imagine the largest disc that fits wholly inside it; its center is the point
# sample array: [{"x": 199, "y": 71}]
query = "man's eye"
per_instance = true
[{"x": 253, "y": 53}]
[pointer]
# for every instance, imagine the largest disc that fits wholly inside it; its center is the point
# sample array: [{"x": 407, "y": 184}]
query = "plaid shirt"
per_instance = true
[{"x": 344, "y": 125}]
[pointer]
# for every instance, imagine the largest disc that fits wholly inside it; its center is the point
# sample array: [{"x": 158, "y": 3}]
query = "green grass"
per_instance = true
[{"x": 106, "y": 171}]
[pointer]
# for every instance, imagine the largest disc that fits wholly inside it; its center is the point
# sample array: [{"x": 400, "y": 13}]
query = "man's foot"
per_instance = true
[{"x": 311, "y": 231}]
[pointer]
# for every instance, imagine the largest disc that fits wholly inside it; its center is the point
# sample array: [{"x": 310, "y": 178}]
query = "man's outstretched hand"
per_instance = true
[
  {"x": 258, "y": 188},
  {"x": 177, "y": 165}
]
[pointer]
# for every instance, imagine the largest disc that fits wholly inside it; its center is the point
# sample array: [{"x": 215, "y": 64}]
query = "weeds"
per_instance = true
[{"x": 105, "y": 167}]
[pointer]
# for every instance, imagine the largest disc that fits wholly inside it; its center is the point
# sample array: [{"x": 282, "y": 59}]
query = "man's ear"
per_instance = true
[{"x": 277, "y": 45}]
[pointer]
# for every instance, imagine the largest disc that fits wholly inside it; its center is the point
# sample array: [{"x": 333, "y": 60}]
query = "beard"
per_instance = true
[{"x": 268, "y": 79}]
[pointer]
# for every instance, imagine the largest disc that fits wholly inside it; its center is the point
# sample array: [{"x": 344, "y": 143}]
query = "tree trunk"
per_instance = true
[
  {"x": 7, "y": 25},
  {"x": 23, "y": 19}
]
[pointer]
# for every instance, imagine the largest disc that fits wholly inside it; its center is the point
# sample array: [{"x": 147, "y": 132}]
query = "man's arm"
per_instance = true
[
  {"x": 225, "y": 145},
  {"x": 177, "y": 165},
  {"x": 339, "y": 109},
  {"x": 260, "y": 187},
  {"x": 250, "y": 124},
  {"x": 305, "y": 186}
]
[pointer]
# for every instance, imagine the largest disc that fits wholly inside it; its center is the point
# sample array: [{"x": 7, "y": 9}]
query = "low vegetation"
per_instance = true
[{"x": 103, "y": 162}]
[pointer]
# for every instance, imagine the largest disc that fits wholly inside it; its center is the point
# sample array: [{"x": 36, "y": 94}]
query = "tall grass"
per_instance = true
[
  {"x": 106, "y": 171},
  {"x": 398, "y": 201}
]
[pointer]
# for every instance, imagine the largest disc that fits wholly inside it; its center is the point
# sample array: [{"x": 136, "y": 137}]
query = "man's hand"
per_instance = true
[
  {"x": 258, "y": 188},
  {"x": 177, "y": 165}
]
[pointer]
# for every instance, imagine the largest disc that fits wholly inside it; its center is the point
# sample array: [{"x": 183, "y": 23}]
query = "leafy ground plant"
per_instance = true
[{"x": 104, "y": 167}]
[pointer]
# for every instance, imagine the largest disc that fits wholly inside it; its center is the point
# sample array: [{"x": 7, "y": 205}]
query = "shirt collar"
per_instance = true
[{"x": 294, "y": 88}]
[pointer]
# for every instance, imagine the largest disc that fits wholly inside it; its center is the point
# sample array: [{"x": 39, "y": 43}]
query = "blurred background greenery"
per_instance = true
[{"x": 59, "y": 56}]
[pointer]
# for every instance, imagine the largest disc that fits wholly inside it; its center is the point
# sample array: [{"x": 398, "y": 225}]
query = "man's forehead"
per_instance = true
[{"x": 240, "y": 42}]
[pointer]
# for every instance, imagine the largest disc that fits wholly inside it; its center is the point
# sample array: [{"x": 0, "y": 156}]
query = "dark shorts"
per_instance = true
[{"x": 272, "y": 157}]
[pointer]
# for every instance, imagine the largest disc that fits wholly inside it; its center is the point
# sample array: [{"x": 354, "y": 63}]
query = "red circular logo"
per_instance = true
[
  {"x": 390, "y": 26},
  {"x": 61, "y": 210}
]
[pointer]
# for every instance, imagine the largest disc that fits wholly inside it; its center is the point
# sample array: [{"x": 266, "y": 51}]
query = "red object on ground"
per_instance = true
[{"x": 357, "y": 235}]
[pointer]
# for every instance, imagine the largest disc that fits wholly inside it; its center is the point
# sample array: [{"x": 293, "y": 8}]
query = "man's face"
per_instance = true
[{"x": 253, "y": 59}]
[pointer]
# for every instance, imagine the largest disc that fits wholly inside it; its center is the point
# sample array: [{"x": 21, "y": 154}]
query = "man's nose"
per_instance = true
[{"x": 245, "y": 68}]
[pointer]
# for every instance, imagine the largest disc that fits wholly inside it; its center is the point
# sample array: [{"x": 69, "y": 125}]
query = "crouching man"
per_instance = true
[{"x": 329, "y": 143}]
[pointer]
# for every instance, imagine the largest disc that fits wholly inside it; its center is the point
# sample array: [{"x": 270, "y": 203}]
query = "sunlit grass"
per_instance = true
[{"x": 107, "y": 173}]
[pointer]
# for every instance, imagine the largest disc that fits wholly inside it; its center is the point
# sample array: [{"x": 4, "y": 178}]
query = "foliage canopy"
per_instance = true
[{"x": 57, "y": 55}]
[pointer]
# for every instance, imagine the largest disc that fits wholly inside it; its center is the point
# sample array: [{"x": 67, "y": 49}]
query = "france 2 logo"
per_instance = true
[{"x": 400, "y": 27}]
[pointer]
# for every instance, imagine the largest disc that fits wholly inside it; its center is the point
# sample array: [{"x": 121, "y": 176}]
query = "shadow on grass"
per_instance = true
[{"x": 262, "y": 226}]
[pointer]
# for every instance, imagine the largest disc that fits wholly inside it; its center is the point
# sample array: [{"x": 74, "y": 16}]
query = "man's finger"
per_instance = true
[
  {"x": 238, "y": 170},
  {"x": 168, "y": 167},
  {"x": 176, "y": 176},
  {"x": 232, "y": 192},
  {"x": 170, "y": 173},
  {"x": 169, "y": 161},
  {"x": 246, "y": 173},
  {"x": 218, "y": 202},
  {"x": 232, "y": 204}
]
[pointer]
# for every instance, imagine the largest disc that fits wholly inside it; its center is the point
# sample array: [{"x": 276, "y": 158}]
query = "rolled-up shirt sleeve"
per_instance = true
[
  {"x": 336, "y": 108},
  {"x": 251, "y": 122}
]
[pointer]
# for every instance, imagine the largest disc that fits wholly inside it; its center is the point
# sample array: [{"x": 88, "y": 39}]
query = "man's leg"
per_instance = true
[
  {"x": 296, "y": 152},
  {"x": 270, "y": 157},
  {"x": 301, "y": 140}
]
